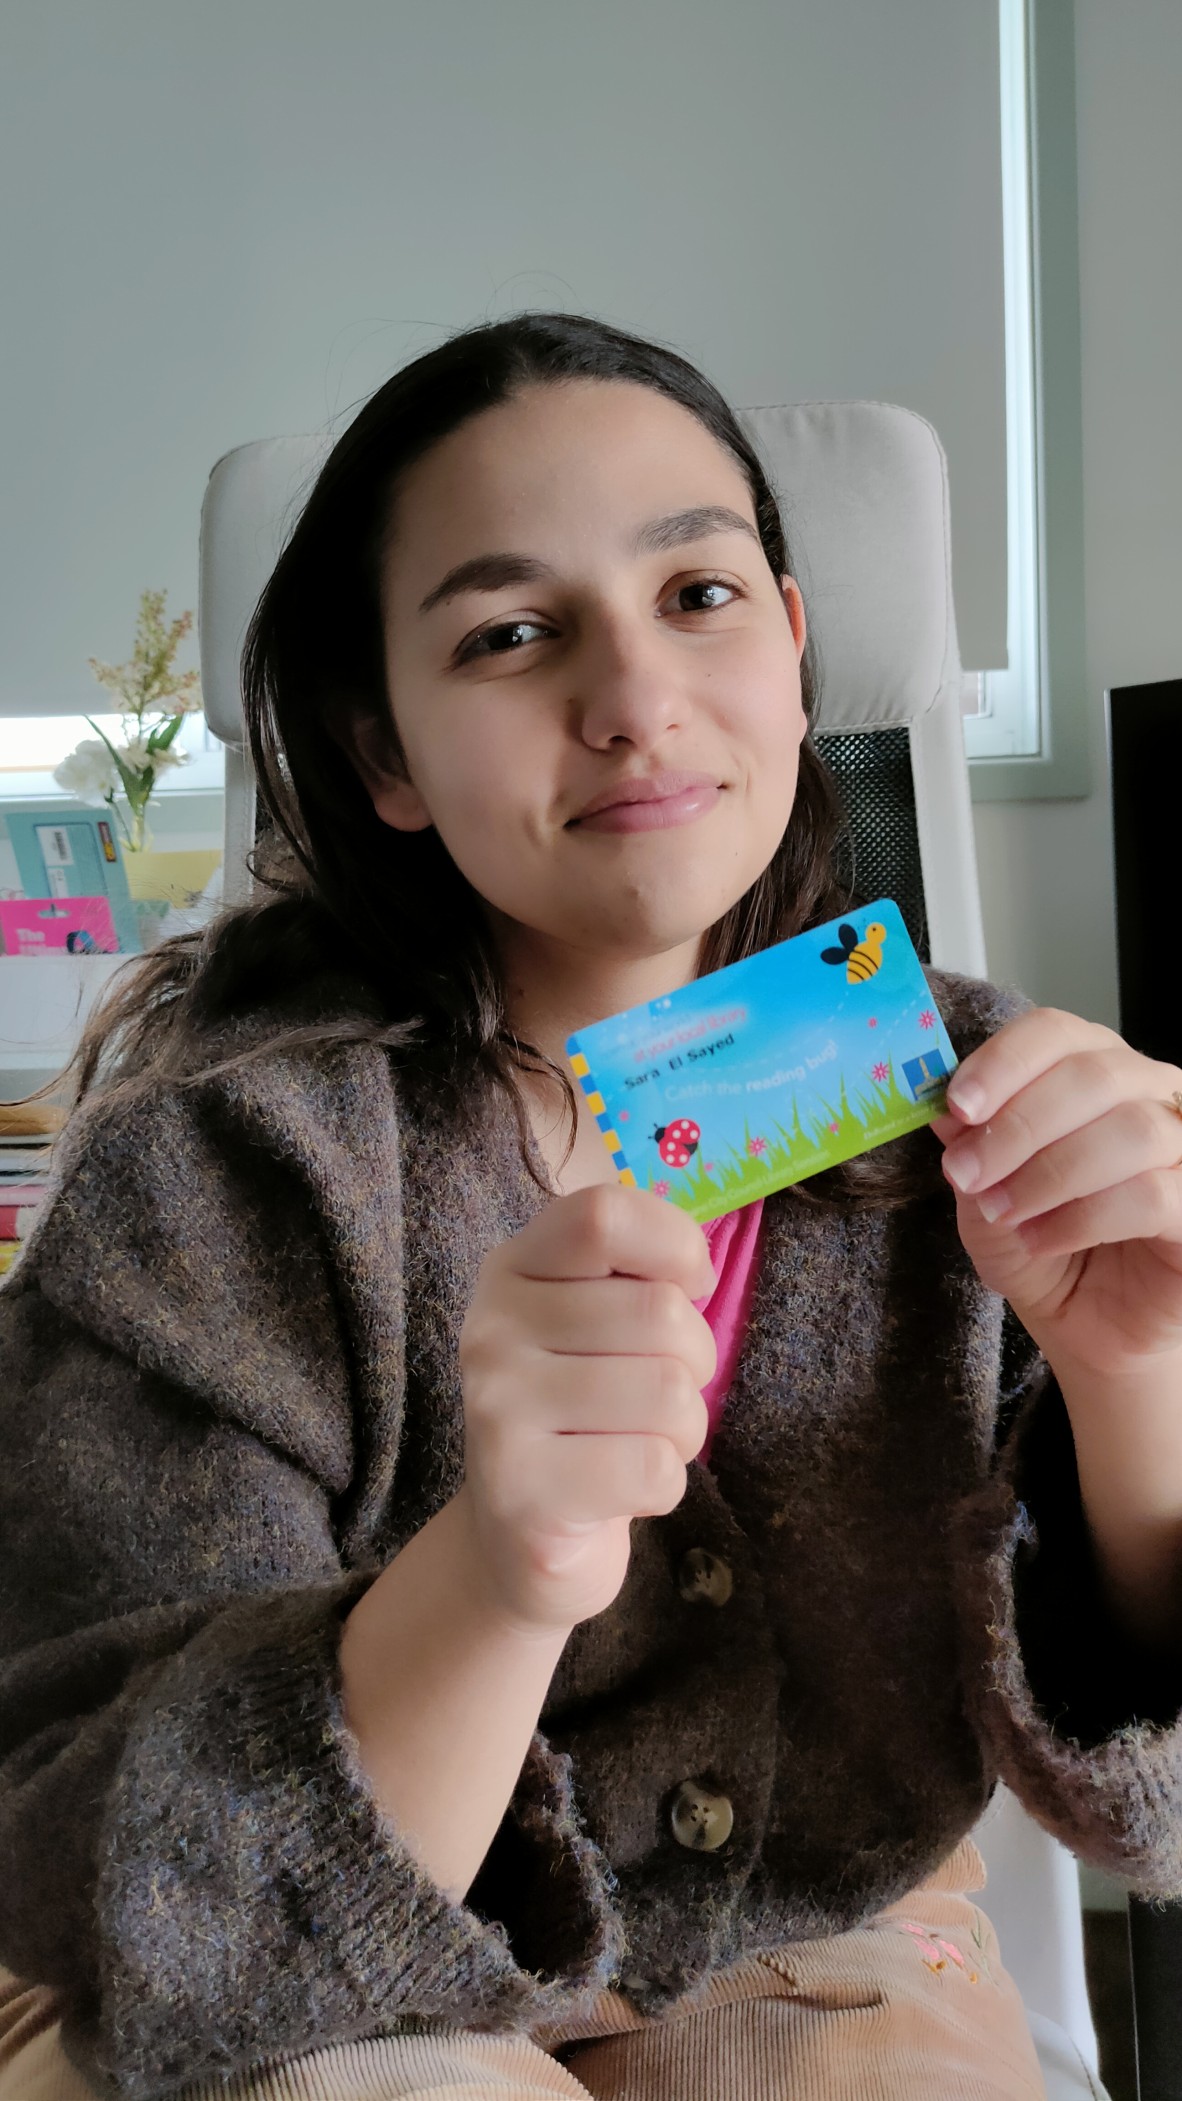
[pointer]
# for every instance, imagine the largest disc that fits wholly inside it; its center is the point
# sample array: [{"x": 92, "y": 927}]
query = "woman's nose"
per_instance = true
[{"x": 624, "y": 687}]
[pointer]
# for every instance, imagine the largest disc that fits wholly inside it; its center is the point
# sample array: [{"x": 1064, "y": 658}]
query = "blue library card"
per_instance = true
[{"x": 770, "y": 1070}]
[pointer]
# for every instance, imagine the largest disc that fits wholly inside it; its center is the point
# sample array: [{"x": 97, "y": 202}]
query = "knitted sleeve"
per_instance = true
[
  {"x": 192, "y": 1854},
  {"x": 1084, "y": 1728}
]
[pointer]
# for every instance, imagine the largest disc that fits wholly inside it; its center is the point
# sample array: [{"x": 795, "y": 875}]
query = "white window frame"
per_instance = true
[{"x": 1005, "y": 715}]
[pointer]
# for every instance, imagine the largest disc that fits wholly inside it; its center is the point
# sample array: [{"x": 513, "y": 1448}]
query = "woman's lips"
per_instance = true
[{"x": 656, "y": 815}]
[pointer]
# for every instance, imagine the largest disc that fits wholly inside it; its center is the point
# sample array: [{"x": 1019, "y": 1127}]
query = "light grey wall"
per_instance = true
[
  {"x": 1046, "y": 868},
  {"x": 236, "y": 218}
]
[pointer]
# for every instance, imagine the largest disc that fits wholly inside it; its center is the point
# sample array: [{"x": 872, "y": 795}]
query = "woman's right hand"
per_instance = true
[{"x": 582, "y": 1359}]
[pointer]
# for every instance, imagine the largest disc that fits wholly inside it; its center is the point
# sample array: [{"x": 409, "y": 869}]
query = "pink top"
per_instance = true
[{"x": 734, "y": 1246}]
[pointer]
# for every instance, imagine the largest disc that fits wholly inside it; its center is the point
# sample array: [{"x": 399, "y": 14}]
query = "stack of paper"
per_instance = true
[{"x": 27, "y": 1130}]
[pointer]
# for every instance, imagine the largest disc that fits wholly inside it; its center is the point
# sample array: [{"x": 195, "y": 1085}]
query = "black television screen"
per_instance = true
[{"x": 1145, "y": 761}]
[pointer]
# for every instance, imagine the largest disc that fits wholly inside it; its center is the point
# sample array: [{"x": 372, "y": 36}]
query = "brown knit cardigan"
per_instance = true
[{"x": 228, "y": 1369}]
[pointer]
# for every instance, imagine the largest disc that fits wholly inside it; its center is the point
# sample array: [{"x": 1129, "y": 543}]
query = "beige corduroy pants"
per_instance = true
[{"x": 914, "y": 2006}]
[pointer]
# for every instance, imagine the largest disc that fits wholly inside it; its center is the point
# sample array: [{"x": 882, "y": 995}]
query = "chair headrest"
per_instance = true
[
  {"x": 252, "y": 501},
  {"x": 863, "y": 491}
]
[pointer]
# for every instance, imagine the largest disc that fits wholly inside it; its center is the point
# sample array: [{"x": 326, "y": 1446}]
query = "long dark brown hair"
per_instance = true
[{"x": 342, "y": 895}]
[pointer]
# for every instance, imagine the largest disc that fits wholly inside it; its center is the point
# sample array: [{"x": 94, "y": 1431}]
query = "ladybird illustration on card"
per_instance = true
[{"x": 772, "y": 1069}]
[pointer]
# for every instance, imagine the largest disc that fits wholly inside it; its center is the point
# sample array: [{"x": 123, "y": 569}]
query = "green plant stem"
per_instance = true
[{"x": 135, "y": 834}]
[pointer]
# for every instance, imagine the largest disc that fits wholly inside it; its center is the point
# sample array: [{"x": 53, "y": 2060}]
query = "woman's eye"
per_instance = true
[
  {"x": 506, "y": 638},
  {"x": 493, "y": 637},
  {"x": 706, "y": 583}
]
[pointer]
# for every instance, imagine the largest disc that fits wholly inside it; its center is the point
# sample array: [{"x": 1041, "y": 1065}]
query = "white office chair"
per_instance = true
[{"x": 864, "y": 492}]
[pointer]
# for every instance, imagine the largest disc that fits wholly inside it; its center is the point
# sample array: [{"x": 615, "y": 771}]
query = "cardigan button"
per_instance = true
[
  {"x": 700, "y": 1820},
  {"x": 704, "y": 1578}
]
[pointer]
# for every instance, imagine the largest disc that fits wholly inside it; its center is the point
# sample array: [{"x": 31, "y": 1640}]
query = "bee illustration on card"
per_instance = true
[{"x": 862, "y": 959}]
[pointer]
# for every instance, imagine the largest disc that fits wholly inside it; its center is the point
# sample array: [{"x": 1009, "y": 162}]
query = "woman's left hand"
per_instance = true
[{"x": 1065, "y": 1151}]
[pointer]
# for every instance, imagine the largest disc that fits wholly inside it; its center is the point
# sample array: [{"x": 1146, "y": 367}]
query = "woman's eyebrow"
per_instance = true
[{"x": 493, "y": 572}]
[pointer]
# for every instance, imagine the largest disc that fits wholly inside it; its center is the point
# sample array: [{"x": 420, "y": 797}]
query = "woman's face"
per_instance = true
[{"x": 560, "y": 628}]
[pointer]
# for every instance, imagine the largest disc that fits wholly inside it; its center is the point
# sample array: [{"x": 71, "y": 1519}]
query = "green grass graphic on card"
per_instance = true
[{"x": 772, "y": 1069}]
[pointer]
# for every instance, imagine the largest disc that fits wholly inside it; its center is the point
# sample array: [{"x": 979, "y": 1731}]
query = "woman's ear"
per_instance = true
[
  {"x": 795, "y": 608},
  {"x": 368, "y": 743}
]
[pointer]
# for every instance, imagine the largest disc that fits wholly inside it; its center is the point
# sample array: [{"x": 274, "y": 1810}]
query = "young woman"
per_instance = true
[{"x": 458, "y": 1634}]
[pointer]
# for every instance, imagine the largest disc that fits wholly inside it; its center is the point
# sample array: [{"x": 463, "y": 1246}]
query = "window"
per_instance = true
[
  {"x": 1026, "y": 728},
  {"x": 1003, "y": 709},
  {"x": 32, "y": 745}
]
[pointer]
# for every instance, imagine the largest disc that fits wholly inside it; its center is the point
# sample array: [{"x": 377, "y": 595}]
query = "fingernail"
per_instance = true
[
  {"x": 994, "y": 1205},
  {"x": 962, "y": 1166},
  {"x": 966, "y": 1096}
]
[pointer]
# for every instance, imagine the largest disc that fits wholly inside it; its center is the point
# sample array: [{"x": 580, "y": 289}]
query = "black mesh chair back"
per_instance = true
[{"x": 879, "y": 849}]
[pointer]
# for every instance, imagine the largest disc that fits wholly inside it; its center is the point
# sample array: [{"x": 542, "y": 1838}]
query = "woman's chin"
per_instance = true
[{"x": 631, "y": 936}]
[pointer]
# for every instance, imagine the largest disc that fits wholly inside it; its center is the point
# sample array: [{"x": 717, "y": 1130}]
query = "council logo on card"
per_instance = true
[{"x": 770, "y": 1070}]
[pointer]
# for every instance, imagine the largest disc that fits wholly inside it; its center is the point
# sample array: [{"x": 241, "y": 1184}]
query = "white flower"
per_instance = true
[
  {"x": 89, "y": 773},
  {"x": 136, "y": 756}
]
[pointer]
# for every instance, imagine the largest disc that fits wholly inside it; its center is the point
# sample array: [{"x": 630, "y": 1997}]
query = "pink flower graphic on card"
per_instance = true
[
  {"x": 756, "y": 1146},
  {"x": 880, "y": 1071},
  {"x": 927, "y": 1019},
  {"x": 660, "y": 1188}
]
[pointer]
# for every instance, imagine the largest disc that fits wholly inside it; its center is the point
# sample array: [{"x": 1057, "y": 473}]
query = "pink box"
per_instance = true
[{"x": 82, "y": 926}]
